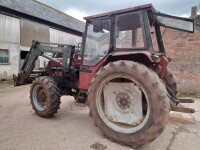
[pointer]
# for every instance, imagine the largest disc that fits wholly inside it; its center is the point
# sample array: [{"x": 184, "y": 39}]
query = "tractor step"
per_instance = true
[
  {"x": 186, "y": 100},
  {"x": 182, "y": 109}
]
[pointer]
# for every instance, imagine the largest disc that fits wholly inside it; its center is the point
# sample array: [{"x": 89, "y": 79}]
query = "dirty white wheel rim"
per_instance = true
[
  {"x": 115, "y": 126},
  {"x": 36, "y": 101}
]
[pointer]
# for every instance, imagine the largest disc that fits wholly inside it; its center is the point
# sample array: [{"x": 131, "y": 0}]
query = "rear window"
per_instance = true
[{"x": 129, "y": 31}]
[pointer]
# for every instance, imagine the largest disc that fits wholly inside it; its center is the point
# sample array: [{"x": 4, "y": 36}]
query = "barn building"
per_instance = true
[{"x": 22, "y": 21}]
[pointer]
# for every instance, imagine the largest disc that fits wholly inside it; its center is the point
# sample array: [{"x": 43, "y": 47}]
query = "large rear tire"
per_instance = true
[
  {"x": 155, "y": 103},
  {"x": 45, "y": 97}
]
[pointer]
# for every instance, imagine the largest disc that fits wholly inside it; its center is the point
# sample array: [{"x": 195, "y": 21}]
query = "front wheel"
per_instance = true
[
  {"x": 45, "y": 97},
  {"x": 129, "y": 103}
]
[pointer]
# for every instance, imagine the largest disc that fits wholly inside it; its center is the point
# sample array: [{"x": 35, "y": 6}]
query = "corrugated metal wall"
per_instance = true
[
  {"x": 9, "y": 29},
  {"x": 33, "y": 31},
  {"x": 17, "y": 33},
  {"x": 61, "y": 37}
]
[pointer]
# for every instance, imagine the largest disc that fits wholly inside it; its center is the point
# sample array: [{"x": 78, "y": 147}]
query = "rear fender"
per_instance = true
[
  {"x": 87, "y": 72},
  {"x": 146, "y": 58},
  {"x": 162, "y": 66},
  {"x": 147, "y": 54},
  {"x": 141, "y": 57}
]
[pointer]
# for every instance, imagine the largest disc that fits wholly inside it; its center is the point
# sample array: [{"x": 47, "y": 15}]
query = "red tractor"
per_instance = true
[{"x": 117, "y": 72}]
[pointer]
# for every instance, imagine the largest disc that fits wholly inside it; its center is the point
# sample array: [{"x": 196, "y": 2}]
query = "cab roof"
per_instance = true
[{"x": 146, "y": 6}]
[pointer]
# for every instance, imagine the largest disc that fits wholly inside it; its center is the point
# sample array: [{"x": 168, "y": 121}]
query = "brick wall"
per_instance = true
[{"x": 184, "y": 49}]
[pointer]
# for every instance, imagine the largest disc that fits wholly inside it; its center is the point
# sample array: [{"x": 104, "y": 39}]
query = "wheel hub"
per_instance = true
[
  {"x": 123, "y": 103},
  {"x": 123, "y": 100},
  {"x": 42, "y": 97},
  {"x": 39, "y": 98}
]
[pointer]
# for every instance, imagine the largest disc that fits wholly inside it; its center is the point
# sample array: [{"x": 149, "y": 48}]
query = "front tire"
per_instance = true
[
  {"x": 45, "y": 97},
  {"x": 155, "y": 103}
]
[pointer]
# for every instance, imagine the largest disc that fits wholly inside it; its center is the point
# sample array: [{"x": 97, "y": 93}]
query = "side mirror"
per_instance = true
[{"x": 97, "y": 26}]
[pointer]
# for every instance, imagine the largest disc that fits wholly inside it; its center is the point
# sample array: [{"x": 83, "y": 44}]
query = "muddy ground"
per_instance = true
[{"x": 73, "y": 129}]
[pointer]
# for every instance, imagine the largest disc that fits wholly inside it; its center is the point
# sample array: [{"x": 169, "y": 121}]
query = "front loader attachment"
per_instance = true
[
  {"x": 20, "y": 80},
  {"x": 39, "y": 49}
]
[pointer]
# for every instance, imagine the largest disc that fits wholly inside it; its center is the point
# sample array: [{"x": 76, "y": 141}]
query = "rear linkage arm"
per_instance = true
[{"x": 177, "y": 101}]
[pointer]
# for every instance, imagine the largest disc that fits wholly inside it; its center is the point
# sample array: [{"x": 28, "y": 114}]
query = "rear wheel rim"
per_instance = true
[
  {"x": 100, "y": 109},
  {"x": 39, "y": 98}
]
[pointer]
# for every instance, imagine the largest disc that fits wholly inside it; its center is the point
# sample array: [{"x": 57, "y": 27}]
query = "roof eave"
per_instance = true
[{"x": 20, "y": 14}]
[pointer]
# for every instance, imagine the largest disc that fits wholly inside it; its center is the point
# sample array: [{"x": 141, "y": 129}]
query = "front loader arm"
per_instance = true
[{"x": 38, "y": 49}]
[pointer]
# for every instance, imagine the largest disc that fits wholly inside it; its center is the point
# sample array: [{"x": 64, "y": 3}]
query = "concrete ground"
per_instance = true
[{"x": 73, "y": 129}]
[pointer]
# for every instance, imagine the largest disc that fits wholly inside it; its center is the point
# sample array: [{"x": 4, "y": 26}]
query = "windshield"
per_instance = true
[{"x": 97, "y": 41}]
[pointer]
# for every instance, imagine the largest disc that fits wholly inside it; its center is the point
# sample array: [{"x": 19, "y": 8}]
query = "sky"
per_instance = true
[{"x": 82, "y": 8}]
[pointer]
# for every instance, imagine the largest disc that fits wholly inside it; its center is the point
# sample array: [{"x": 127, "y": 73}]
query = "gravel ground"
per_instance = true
[{"x": 73, "y": 129}]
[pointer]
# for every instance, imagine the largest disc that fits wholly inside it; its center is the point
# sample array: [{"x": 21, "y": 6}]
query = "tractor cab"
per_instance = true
[
  {"x": 125, "y": 30},
  {"x": 129, "y": 34}
]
